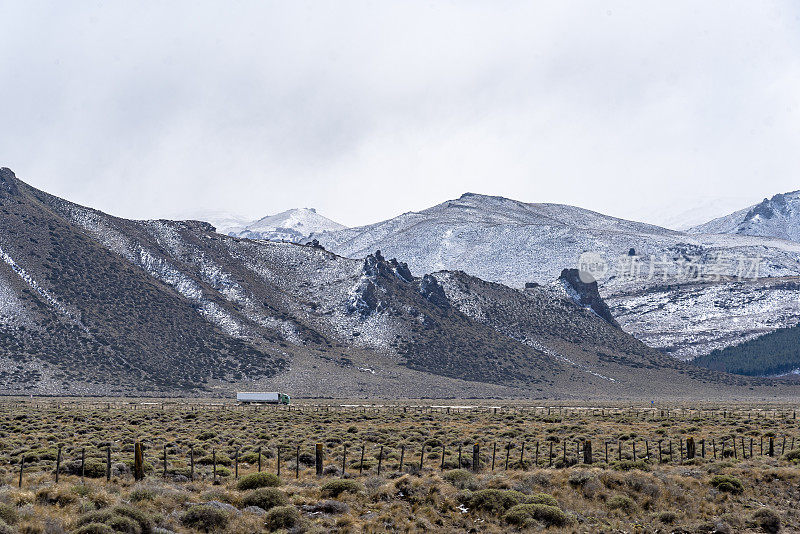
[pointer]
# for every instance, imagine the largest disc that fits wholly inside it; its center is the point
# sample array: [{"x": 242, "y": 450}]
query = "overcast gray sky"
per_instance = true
[{"x": 365, "y": 110}]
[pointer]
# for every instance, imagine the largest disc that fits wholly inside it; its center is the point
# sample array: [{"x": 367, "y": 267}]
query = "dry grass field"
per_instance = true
[{"x": 210, "y": 481}]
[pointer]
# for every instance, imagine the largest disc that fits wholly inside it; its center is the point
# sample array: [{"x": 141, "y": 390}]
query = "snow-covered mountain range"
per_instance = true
[
  {"x": 671, "y": 288},
  {"x": 293, "y": 226},
  {"x": 778, "y": 216},
  {"x": 92, "y": 304}
]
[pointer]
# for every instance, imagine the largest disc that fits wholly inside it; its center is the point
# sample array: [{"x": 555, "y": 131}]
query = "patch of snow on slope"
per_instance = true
[
  {"x": 34, "y": 285},
  {"x": 159, "y": 268},
  {"x": 12, "y": 310},
  {"x": 190, "y": 289}
]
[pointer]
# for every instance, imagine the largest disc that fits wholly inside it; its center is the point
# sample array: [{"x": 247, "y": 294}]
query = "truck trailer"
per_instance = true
[{"x": 259, "y": 397}]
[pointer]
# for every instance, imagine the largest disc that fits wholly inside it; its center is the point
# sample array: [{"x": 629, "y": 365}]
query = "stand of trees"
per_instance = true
[{"x": 771, "y": 354}]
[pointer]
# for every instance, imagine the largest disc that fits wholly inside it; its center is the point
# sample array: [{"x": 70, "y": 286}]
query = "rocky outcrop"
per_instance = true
[
  {"x": 586, "y": 294},
  {"x": 430, "y": 288},
  {"x": 8, "y": 182}
]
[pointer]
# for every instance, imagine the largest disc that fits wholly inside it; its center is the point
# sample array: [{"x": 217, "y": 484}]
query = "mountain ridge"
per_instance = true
[
  {"x": 777, "y": 216},
  {"x": 99, "y": 305},
  {"x": 515, "y": 243}
]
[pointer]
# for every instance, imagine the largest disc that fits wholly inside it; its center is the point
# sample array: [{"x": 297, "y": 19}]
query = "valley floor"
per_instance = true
[{"x": 408, "y": 467}]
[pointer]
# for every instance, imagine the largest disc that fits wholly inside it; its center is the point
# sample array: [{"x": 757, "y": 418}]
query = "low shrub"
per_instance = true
[
  {"x": 92, "y": 528},
  {"x": 142, "y": 494},
  {"x": 223, "y": 472},
  {"x": 621, "y": 502},
  {"x": 120, "y": 518},
  {"x": 140, "y": 517},
  {"x": 121, "y": 523},
  {"x": 668, "y": 517},
  {"x": 6, "y": 529},
  {"x": 767, "y": 519},
  {"x": 249, "y": 458},
  {"x": 460, "y": 478},
  {"x": 495, "y": 500},
  {"x": 334, "y": 488},
  {"x": 542, "y": 498},
  {"x": 282, "y": 517},
  {"x": 728, "y": 484},
  {"x": 580, "y": 478},
  {"x": 627, "y": 465},
  {"x": 524, "y": 514},
  {"x": 8, "y": 514},
  {"x": 206, "y": 518},
  {"x": 258, "y": 480},
  {"x": 792, "y": 456},
  {"x": 56, "y": 495},
  {"x": 222, "y": 459},
  {"x": 265, "y": 498}
]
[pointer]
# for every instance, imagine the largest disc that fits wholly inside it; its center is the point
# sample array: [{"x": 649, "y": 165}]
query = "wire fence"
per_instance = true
[{"x": 180, "y": 463}]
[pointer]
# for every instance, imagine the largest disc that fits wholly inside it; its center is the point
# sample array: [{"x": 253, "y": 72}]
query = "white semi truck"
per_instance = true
[{"x": 269, "y": 397}]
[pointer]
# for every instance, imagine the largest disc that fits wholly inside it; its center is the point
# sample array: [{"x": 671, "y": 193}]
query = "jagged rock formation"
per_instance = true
[
  {"x": 95, "y": 305},
  {"x": 515, "y": 243},
  {"x": 586, "y": 294}
]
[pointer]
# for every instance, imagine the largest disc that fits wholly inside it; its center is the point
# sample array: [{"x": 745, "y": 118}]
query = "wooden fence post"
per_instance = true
[
  {"x": 443, "y": 451},
  {"x": 690, "y": 448},
  {"x": 459, "y": 457},
  {"x": 508, "y": 453},
  {"x": 165, "y": 460},
  {"x": 108, "y": 463},
  {"x": 587, "y": 452},
  {"x": 771, "y": 451},
  {"x": 344, "y": 460},
  {"x": 522, "y": 456},
  {"x": 21, "y": 467},
  {"x": 361, "y": 463},
  {"x": 214, "y": 461},
  {"x": 606, "y": 445},
  {"x": 421, "y": 458},
  {"x": 494, "y": 452},
  {"x": 402, "y": 456},
  {"x": 138, "y": 461},
  {"x": 318, "y": 459},
  {"x": 476, "y": 458},
  {"x": 259, "y": 459},
  {"x": 380, "y": 460},
  {"x": 191, "y": 461}
]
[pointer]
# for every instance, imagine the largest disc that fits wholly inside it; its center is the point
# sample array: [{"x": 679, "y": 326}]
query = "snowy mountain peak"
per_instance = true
[
  {"x": 292, "y": 225},
  {"x": 778, "y": 216}
]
